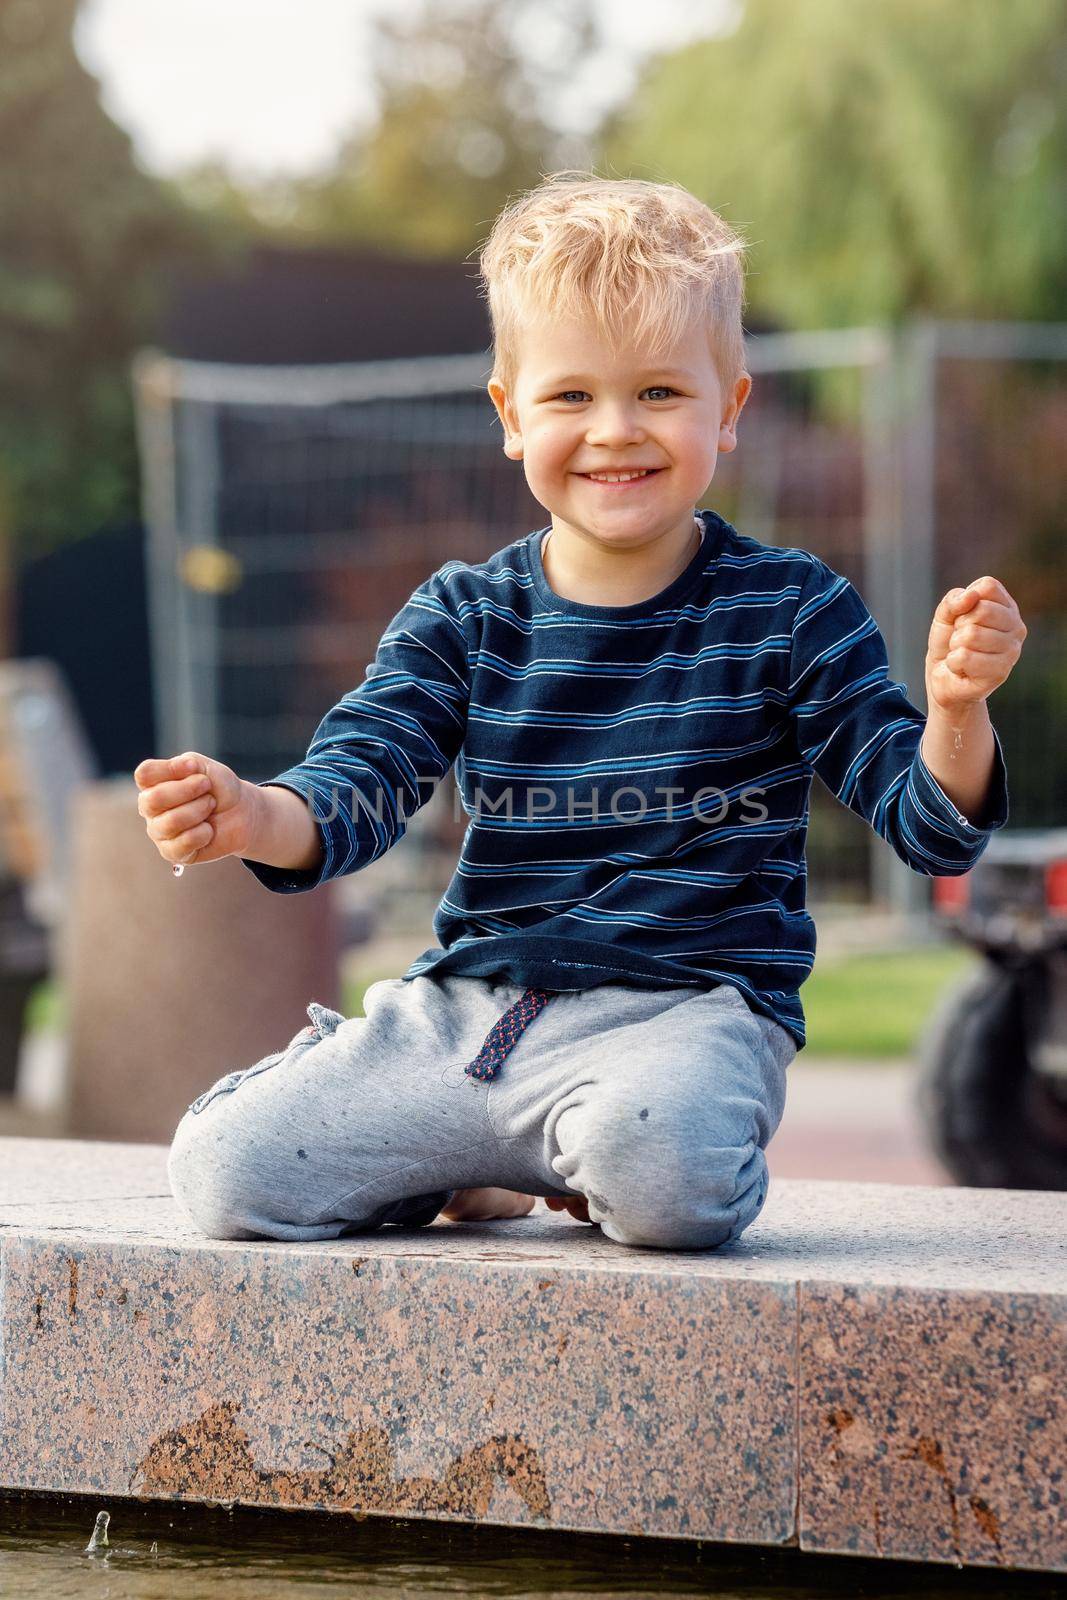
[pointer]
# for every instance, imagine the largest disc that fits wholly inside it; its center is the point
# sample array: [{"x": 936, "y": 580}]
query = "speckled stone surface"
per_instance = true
[
  {"x": 932, "y": 1424},
  {"x": 871, "y": 1368}
]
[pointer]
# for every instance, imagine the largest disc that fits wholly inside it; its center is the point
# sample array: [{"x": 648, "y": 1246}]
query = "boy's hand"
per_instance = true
[
  {"x": 975, "y": 639},
  {"x": 195, "y": 809}
]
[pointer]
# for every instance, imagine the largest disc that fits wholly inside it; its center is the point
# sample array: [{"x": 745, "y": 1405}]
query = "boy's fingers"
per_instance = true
[
  {"x": 991, "y": 589},
  {"x": 989, "y": 628},
  {"x": 960, "y": 601},
  {"x": 987, "y": 639},
  {"x": 158, "y": 769},
  {"x": 973, "y": 664},
  {"x": 188, "y": 845},
  {"x": 577, "y": 1205},
  {"x": 990, "y": 614},
  {"x": 943, "y": 623},
  {"x": 163, "y": 797},
  {"x": 145, "y": 773},
  {"x": 951, "y": 605},
  {"x": 172, "y": 824}
]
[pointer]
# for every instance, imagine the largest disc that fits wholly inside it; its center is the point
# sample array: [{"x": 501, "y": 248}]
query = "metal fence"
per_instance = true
[{"x": 292, "y": 510}]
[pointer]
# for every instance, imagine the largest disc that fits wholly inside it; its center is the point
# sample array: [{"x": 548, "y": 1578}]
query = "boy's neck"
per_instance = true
[{"x": 578, "y": 571}]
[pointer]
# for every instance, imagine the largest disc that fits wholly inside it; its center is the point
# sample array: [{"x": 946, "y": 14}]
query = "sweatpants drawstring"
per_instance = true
[{"x": 506, "y": 1032}]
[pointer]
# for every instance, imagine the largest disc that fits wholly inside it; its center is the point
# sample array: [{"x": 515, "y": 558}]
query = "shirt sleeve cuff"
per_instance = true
[
  {"x": 945, "y": 811},
  {"x": 284, "y": 880}
]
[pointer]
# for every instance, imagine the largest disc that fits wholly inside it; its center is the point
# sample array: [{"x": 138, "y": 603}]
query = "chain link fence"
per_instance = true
[{"x": 292, "y": 510}]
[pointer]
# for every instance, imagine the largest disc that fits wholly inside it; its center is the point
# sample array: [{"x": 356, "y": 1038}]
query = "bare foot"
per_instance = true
[{"x": 478, "y": 1205}]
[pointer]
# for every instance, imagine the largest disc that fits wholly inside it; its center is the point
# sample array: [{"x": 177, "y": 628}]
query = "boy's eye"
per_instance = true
[{"x": 659, "y": 390}]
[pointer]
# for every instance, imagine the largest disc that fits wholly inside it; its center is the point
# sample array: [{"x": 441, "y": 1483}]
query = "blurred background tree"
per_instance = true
[
  {"x": 84, "y": 235},
  {"x": 465, "y": 90},
  {"x": 883, "y": 160}
]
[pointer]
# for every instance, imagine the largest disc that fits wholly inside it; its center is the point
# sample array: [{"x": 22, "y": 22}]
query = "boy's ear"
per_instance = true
[
  {"x": 508, "y": 419},
  {"x": 728, "y": 425}
]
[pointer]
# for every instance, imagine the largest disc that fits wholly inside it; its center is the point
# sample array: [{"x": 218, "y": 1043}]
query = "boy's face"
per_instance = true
[{"x": 576, "y": 410}]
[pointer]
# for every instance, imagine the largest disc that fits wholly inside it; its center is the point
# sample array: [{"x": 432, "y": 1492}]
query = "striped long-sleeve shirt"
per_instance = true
[{"x": 636, "y": 777}]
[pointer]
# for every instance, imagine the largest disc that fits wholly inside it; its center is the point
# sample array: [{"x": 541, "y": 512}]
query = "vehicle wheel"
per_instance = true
[{"x": 990, "y": 1120}]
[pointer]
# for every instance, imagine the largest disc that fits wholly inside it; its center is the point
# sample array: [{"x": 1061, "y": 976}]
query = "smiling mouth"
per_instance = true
[{"x": 634, "y": 475}]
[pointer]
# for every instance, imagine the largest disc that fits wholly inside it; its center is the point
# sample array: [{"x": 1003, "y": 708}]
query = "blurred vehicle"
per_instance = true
[{"x": 993, "y": 1061}]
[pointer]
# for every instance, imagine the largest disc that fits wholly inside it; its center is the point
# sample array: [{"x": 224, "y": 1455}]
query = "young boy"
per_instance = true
[{"x": 635, "y": 699}]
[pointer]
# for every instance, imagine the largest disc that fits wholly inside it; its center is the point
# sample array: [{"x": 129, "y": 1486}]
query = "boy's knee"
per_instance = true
[
  {"x": 695, "y": 1212},
  {"x": 211, "y": 1192},
  {"x": 648, "y": 1187},
  {"x": 213, "y": 1173}
]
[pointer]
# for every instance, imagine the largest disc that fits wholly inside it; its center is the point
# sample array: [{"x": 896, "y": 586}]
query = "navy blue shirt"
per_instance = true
[{"x": 637, "y": 777}]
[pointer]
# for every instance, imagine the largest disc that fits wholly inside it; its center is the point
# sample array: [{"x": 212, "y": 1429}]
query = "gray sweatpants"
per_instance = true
[{"x": 656, "y": 1105}]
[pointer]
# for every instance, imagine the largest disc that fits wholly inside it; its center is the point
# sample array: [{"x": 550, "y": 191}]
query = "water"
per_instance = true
[{"x": 267, "y": 1555}]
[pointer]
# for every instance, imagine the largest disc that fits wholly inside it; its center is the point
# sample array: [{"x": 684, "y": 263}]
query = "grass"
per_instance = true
[
  {"x": 352, "y": 992},
  {"x": 878, "y": 1004},
  {"x": 872, "y": 1005},
  {"x": 45, "y": 1008}
]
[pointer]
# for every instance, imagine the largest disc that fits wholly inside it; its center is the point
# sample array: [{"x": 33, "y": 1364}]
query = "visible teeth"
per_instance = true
[{"x": 617, "y": 477}]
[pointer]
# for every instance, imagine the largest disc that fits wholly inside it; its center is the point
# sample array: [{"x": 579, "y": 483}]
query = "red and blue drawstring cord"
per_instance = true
[{"x": 505, "y": 1033}]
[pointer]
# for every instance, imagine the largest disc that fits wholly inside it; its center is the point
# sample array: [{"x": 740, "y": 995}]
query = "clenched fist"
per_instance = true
[
  {"x": 195, "y": 809},
  {"x": 975, "y": 640}
]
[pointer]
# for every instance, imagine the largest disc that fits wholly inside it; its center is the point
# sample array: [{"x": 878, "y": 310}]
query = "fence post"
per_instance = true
[
  {"x": 155, "y": 403},
  {"x": 198, "y": 474},
  {"x": 900, "y": 427}
]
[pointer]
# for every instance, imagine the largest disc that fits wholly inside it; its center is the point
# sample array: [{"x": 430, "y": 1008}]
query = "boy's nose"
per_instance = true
[{"x": 612, "y": 426}]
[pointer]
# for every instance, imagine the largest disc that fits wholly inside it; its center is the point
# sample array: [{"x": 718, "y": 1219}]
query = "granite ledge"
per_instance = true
[{"x": 871, "y": 1369}]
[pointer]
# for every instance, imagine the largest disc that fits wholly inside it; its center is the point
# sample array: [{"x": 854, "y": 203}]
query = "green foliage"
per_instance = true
[
  {"x": 882, "y": 160},
  {"x": 86, "y": 234},
  {"x": 462, "y": 88}
]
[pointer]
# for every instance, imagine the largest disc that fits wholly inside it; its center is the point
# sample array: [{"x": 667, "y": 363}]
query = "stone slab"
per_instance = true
[
  {"x": 932, "y": 1424},
  {"x": 873, "y": 1368}
]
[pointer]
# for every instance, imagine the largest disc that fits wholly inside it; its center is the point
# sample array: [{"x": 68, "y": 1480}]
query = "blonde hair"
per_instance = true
[{"x": 580, "y": 245}]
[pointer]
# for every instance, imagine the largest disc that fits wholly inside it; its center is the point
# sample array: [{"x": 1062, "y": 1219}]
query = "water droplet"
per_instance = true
[
  {"x": 99, "y": 1540},
  {"x": 178, "y": 869}
]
